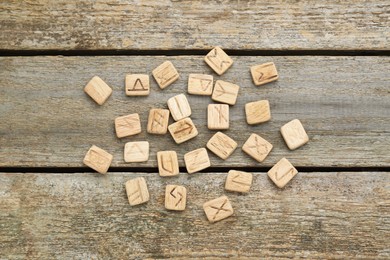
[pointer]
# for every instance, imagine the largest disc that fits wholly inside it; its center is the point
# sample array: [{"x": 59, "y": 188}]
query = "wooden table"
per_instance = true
[{"x": 334, "y": 66}]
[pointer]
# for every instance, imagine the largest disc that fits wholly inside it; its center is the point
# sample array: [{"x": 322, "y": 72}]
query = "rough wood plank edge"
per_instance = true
[
  {"x": 317, "y": 215},
  {"x": 48, "y": 121},
  {"x": 294, "y": 25}
]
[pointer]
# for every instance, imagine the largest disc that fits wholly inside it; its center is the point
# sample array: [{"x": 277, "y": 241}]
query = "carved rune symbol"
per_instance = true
[
  {"x": 136, "y": 195},
  {"x": 167, "y": 163},
  {"x": 195, "y": 161},
  {"x": 216, "y": 60},
  {"x": 261, "y": 74},
  {"x": 179, "y": 198},
  {"x": 157, "y": 119},
  {"x": 236, "y": 178},
  {"x": 184, "y": 127},
  {"x": 204, "y": 83},
  {"x": 277, "y": 177},
  {"x": 221, "y": 91},
  {"x": 260, "y": 148},
  {"x": 132, "y": 150},
  {"x": 165, "y": 75},
  {"x": 97, "y": 158},
  {"x": 219, "y": 209},
  {"x": 220, "y": 114},
  {"x": 137, "y": 86}
]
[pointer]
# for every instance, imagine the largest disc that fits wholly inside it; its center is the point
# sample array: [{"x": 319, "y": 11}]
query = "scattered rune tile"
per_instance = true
[
  {"x": 222, "y": 145},
  {"x": 179, "y": 107},
  {"x": 127, "y": 125},
  {"x": 137, "y": 85},
  {"x": 158, "y": 121},
  {"x": 257, "y": 147},
  {"x": 197, "y": 160},
  {"x": 165, "y": 74},
  {"x": 168, "y": 164},
  {"x": 137, "y": 191},
  {"x": 183, "y": 130},
  {"x": 175, "y": 197},
  {"x": 136, "y": 151},
  {"x": 218, "y": 60},
  {"x": 294, "y": 134},
  {"x": 264, "y": 73},
  {"x": 225, "y": 92},
  {"x": 282, "y": 172},
  {"x": 98, "y": 159},
  {"x": 217, "y": 116},
  {"x": 238, "y": 181},
  {"x": 200, "y": 84},
  {"x": 257, "y": 112},
  {"x": 98, "y": 90},
  {"x": 218, "y": 209}
]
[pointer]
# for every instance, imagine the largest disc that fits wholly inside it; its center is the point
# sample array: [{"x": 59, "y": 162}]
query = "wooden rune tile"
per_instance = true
[
  {"x": 218, "y": 116},
  {"x": 183, "y": 130},
  {"x": 137, "y": 85},
  {"x": 175, "y": 197},
  {"x": 218, "y": 60},
  {"x": 136, "y": 151},
  {"x": 165, "y": 74},
  {"x": 294, "y": 134},
  {"x": 98, "y": 159},
  {"x": 257, "y": 112},
  {"x": 200, "y": 84},
  {"x": 222, "y": 145},
  {"x": 282, "y": 172},
  {"x": 98, "y": 90},
  {"x": 158, "y": 121},
  {"x": 127, "y": 125},
  {"x": 179, "y": 107},
  {"x": 168, "y": 164},
  {"x": 257, "y": 147},
  {"x": 225, "y": 92},
  {"x": 238, "y": 181},
  {"x": 218, "y": 209},
  {"x": 264, "y": 73},
  {"x": 137, "y": 191},
  {"x": 197, "y": 160}
]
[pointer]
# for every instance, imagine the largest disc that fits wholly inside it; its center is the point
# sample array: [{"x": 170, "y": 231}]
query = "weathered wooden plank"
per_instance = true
[
  {"x": 47, "y": 119},
  {"x": 78, "y": 216},
  {"x": 150, "y": 24}
]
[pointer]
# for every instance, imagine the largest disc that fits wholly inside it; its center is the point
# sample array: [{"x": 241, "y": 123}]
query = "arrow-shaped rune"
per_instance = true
[
  {"x": 184, "y": 127},
  {"x": 222, "y": 91}
]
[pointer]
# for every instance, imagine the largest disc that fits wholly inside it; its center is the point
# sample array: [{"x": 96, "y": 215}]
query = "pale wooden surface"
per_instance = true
[
  {"x": 87, "y": 216},
  {"x": 164, "y": 24},
  {"x": 343, "y": 103}
]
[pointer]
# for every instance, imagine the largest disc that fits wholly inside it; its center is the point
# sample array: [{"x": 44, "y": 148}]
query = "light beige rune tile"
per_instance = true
[
  {"x": 257, "y": 147},
  {"x": 218, "y": 60},
  {"x": 282, "y": 172},
  {"x": 294, "y": 134},
  {"x": 168, "y": 164},
  {"x": 218, "y": 209},
  {"x": 179, "y": 107},
  {"x": 197, "y": 160},
  {"x": 137, "y": 191},
  {"x": 98, "y": 90},
  {"x": 165, "y": 74},
  {"x": 137, "y": 85},
  {"x": 127, "y": 125},
  {"x": 222, "y": 145},
  {"x": 200, "y": 84},
  {"x": 257, "y": 112},
  {"x": 218, "y": 116},
  {"x": 264, "y": 73},
  {"x": 225, "y": 92},
  {"x": 136, "y": 151},
  {"x": 238, "y": 181},
  {"x": 183, "y": 130},
  {"x": 175, "y": 197},
  {"x": 98, "y": 159},
  {"x": 158, "y": 121}
]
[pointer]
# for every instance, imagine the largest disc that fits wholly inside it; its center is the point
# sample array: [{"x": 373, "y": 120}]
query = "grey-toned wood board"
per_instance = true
[
  {"x": 343, "y": 102},
  {"x": 162, "y": 25},
  {"x": 87, "y": 216}
]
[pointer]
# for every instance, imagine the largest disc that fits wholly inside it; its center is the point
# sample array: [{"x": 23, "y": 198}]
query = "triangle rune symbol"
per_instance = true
[{"x": 137, "y": 85}]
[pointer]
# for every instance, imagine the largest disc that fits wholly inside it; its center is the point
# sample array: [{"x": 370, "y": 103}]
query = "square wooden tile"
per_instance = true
[
  {"x": 218, "y": 209},
  {"x": 98, "y": 159},
  {"x": 257, "y": 147},
  {"x": 200, "y": 84},
  {"x": 127, "y": 125},
  {"x": 257, "y": 112},
  {"x": 225, "y": 92},
  {"x": 175, "y": 197},
  {"x": 168, "y": 164},
  {"x": 137, "y": 85},
  {"x": 294, "y": 134},
  {"x": 282, "y": 172},
  {"x": 183, "y": 130},
  {"x": 136, "y": 151},
  {"x": 165, "y": 74},
  {"x": 158, "y": 121},
  {"x": 238, "y": 181},
  {"x": 137, "y": 191},
  {"x": 264, "y": 73},
  {"x": 222, "y": 145},
  {"x": 179, "y": 107},
  {"x": 218, "y": 116},
  {"x": 218, "y": 60},
  {"x": 98, "y": 90},
  {"x": 197, "y": 160}
]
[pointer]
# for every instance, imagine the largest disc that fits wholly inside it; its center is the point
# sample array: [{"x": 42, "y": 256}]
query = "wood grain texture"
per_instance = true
[
  {"x": 342, "y": 102},
  {"x": 79, "y": 216},
  {"x": 165, "y": 24}
]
